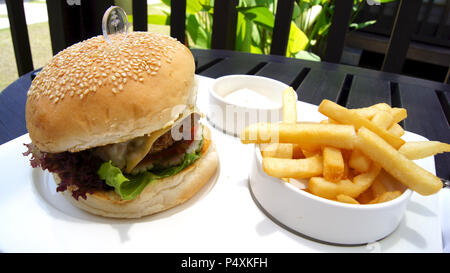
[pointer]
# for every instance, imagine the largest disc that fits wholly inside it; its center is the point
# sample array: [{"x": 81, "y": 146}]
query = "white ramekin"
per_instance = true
[
  {"x": 322, "y": 219},
  {"x": 232, "y": 118}
]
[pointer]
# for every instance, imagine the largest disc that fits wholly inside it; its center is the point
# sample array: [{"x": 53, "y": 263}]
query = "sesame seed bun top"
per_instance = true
[{"x": 94, "y": 93}]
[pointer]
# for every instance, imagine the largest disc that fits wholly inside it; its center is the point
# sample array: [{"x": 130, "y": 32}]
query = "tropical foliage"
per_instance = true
[{"x": 311, "y": 21}]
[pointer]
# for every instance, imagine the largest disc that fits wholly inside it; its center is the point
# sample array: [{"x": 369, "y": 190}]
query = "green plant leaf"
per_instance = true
[
  {"x": 158, "y": 14},
  {"x": 159, "y": 6},
  {"x": 196, "y": 33},
  {"x": 323, "y": 30},
  {"x": 310, "y": 16},
  {"x": 383, "y": 1},
  {"x": 193, "y": 6},
  {"x": 259, "y": 15},
  {"x": 363, "y": 24},
  {"x": 240, "y": 31},
  {"x": 306, "y": 55},
  {"x": 158, "y": 19},
  {"x": 255, "y": 49},
  {"x": 243, "y": 34},
  {"x": 297, "y": 40}
]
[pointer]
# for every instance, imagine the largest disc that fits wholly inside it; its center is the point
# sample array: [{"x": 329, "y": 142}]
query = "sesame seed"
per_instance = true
[{"x": 85, "y": 66}]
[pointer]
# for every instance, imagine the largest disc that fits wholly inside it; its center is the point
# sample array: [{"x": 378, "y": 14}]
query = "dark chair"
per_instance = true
[
  {"x": 75, "y": 20},
  {"x": 400, "y": 36},
  {"x": 426, "y": 24}
]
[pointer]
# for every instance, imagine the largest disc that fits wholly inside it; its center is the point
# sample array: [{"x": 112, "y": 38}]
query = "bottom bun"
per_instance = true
[{"x": 156, "y": 197}]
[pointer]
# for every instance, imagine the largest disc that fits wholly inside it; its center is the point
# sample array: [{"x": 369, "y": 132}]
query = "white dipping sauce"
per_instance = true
[{"x": 250, "y": 98}]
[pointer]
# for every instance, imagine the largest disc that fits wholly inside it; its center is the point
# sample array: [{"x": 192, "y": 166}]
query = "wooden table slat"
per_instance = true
[
  {"x": 368, "y": 91},
  {"x": 286, "y": 73},
  {"x": 444, "y": 98},
  {"x": 352, "y": 70},
  {"x": 231, "y": 66},
  {"x": 319, "y": 85},
  {"x": 425, "y": 117},
  {"x": 204, "y": 62},
  {"x": 12, "y": 108}
]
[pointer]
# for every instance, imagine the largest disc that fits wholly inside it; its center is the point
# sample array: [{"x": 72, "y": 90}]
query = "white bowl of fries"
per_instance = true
[
  {"x": 236, "y": 101},
  {"x": 345, "y": 179},
  {"x": 320, "y": 218}
]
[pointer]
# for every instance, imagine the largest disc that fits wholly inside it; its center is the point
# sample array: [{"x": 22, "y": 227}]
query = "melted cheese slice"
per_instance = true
[{"x": 136, "y": 155}]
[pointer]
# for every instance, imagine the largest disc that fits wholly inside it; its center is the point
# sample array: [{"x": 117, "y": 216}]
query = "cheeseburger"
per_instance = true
[{"x": 117, "y": 127}]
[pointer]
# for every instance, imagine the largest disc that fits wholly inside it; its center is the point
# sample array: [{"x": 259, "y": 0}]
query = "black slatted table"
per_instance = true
[{"x": 427, "y": 102}]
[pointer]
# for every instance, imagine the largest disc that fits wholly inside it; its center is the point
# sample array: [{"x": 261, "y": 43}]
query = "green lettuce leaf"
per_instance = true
[{"x": 129, "y": 187}]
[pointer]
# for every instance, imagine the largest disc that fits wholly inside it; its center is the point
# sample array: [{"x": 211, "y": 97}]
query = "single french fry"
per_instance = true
[
  {"x": 396, "y": 164},
  {"x": 366, "y": 112},
  {"x": 382, "y": 119},
  {"x": 348, "y": 174},
  {"x": 381, "y": 106},
  {"x": 286, "y": 150},
  {"x": 310, "y": 153},
  {"x": 389, "y": 182},
  {"x": 369, "y": 112},
  {"x": 289, "y": 106},
  {"x": 293, "y": 168},
  {"x": 387, "y": 196},
  {"x": 329, "y": 121},
  {"x": 421, "y": 149},
  {"x": 305, "y": 135},
  {"x": 327, "y": 189},
  {"x": 345, "y": 116},
  {"x": 377, "y": 188},
  {"x": 333, "y": 164},
  {"x": 365, "y": 197},
  {"x": 297, "y": 152},
  {"x": 279, "y": 150},
  {"x": 398, "y": 114},
  {"x": 396, "y": 130},
  {"x": 359, "y": 162},
  {"x": 346, "y": 199}
]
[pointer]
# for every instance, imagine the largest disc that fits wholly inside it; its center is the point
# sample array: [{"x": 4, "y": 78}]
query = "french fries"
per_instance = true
[
  {"x": 280, "y": 150},
  {"x": 387, "y": 196},
  {"x": 422, "y": 149},
  {"x": 377, "y": 188},
  {"x": 346, "y": 199},
  {"x": 396, "y": 130},
  {"x": 290, "y": 116},
  {"x": 294, "y": 168},
  {"x": 327, "y": 189},
  {"x": 396, "y": 164},
  {"x": 333, "y": 164},
  {"x": 354, "y": 156},
  {"x": 398, "y": 114},
  {"x": 289, "y": 106},
  {"x": 359, "y": 162},
  {"x": 383, "y": 119},
  {"x": 303, "y": 134},
  {"x": 345, "y": 116}
]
